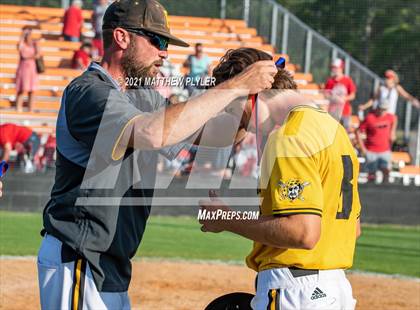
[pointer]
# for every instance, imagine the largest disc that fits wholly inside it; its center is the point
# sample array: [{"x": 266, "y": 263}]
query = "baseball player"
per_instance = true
[
  {"x": 306, "y": 233},
  {"x": 107, "y": 139}
]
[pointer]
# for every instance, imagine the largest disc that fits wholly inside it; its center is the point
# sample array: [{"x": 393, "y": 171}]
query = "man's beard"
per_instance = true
[{"x": 132, "y": 68}]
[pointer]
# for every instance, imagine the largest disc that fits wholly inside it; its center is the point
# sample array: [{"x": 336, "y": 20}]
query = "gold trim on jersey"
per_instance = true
[{"x": 304, "y": 210}]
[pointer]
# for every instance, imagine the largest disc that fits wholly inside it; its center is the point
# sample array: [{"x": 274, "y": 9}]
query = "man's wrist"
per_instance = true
[{"x": 234, "y": 88}]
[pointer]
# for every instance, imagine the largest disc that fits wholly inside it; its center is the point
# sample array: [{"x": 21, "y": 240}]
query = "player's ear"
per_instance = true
[{"x": 121, "y": 38}]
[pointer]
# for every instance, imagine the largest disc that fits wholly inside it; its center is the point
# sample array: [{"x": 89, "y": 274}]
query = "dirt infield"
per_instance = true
[{"x": 183, "y": 285}]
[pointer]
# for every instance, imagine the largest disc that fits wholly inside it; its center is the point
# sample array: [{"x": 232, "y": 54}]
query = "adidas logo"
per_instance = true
[{"x": 318, "y": 294}]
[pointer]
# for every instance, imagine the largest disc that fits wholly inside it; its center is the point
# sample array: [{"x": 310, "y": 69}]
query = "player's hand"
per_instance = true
[
  {"x": 1, "y": 189},
  {"x": 256, "y": 77},
  {"x": 213, "y": 210}
]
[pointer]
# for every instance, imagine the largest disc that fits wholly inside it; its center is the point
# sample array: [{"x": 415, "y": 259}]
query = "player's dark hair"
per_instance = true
[
  {"x": 107, "y": 37},
  {"x": 235, "y": 61}
]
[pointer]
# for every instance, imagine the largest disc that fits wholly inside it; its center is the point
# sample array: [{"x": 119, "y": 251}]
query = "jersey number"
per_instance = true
[{"x": 346, "y": 188}]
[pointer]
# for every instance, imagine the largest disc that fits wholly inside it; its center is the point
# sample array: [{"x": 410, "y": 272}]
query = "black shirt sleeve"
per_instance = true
[{"x": 97, "y": 115}]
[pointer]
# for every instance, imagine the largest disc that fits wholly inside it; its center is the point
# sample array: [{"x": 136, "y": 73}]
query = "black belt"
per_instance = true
[{"x": 298, "y": 272}]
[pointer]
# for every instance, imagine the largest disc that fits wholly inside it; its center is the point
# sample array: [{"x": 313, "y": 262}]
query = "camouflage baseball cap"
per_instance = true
[{"x": 148, "y": 15}]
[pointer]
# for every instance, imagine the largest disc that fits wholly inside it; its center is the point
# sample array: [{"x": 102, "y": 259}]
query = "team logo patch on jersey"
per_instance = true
[{"x": 292, "y": 189}]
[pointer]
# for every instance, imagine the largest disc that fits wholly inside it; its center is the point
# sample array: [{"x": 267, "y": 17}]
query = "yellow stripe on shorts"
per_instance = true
[
  {"x": 273, "y": 299},
  {"x": 76, "y": 287}
]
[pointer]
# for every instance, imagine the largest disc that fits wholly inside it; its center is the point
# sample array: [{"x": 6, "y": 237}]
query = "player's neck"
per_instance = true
[
  {"x": 281, "y": 105},
  {"x": 113, "y": 65}
]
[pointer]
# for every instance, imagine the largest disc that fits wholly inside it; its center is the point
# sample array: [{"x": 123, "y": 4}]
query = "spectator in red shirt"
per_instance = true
[
  {"x": 380, "y": 127},
  {"x": 73, "y": 22},
  {"x": 82, "y": 57},
  {"x": 12, "y": 135},
  {"x": 341, "y": 90}
]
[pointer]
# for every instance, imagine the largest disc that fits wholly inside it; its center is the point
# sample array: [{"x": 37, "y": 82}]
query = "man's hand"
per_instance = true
[
  {"x": 1, "y": 189},
  {"x": 255, "y": 78},
  {"x": 211, "y": 206}
]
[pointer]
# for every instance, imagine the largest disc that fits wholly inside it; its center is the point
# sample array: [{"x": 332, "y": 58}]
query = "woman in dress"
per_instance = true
[{"x": 26, "y": 74}]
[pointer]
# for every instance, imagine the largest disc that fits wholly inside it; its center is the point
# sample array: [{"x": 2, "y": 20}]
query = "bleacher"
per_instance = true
[{"x": 217, "y": 36}]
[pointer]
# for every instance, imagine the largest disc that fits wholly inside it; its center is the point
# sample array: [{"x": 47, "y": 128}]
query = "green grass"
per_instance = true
[{"x": 384, "y": 248}]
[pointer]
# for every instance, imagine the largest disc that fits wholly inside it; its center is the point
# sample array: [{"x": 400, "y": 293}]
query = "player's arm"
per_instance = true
[
  {"x": 223, "y": 130},
  {"x": 178, "y": 122},
  {"x": 1, "y": 189},
  {"x": 7, "y": 148},
  {"x": 300, "y": 231},
  {"x": 358, "y": 228}
]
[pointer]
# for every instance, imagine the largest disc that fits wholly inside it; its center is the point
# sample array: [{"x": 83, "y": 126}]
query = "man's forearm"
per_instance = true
[
  {"x": 178, "y": 122},
  {"x": 221, "y": 131}
]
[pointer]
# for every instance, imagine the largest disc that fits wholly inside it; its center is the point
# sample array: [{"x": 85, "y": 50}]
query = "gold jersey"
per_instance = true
[{"x": 309, "y": 166}]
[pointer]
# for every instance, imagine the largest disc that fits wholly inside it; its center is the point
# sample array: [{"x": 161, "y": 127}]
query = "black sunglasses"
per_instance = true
[{"x": 161, "y": 43}]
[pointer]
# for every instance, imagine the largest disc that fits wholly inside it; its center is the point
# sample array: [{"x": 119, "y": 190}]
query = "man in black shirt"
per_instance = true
[{"x": 108, "y": 138}]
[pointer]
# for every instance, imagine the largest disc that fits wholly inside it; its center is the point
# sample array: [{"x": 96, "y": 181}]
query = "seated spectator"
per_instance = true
[
  {"x": 82, "y": 57},
  {"x": 15, "y": 137},
  {"x": 340, "y": 90},
  {"x": 73, "y": 22},
  {"x": 198, "y": 66},
  {"x": 380, "y": 128},
  {"x": 390, "y": 90},
  {"x": 26, "y": 74}
]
